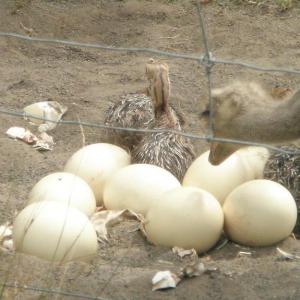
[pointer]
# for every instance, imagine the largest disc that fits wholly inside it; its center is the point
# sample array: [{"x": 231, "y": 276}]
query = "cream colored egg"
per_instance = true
[
  {"x": 137, "y": 187},
  {"x": 67, "y": 188},
  {"x": 259, "y": 213},
  {"x": 54, "y": 231},
  {"x": 96, "y": 163},
  {"x": 242, "y": 166},
  {"x": 186, "y": 217}
]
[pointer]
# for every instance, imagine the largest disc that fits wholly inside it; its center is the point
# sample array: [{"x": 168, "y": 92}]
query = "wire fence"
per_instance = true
[
  {"x": 208, "y": 137},
  {"x": 51, "y": 291},
  {"x": 202, "y": 59},
  {"x": 207, "y": 60}
]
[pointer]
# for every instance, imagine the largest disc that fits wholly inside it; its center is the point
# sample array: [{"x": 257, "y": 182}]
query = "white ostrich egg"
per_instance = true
[
  {"x": 259, "y": 213},
  {"x": 137, "y": 187},
  {"x": 96, "y": 163},
  {"x": 67, "y": 188},
  {"x": 185, "y": 217},
  {"x": 54, "y": 231}
]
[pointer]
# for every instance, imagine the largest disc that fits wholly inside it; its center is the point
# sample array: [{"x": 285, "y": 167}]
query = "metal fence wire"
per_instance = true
[{"x": 207, "y": 60}]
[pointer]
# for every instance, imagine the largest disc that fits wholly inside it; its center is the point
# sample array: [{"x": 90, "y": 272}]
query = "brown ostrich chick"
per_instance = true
[
  {"x": 245, "y": 111},
  {"x": 168, "y": 150},
  {"x": 133, "y": 110}
]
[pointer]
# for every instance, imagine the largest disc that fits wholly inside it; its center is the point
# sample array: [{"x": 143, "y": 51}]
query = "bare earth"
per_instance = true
[{"x": 87, "y": 81}]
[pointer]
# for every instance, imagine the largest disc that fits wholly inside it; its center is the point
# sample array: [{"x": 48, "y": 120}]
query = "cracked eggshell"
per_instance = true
[
  {"x": 137, "y": 187},
  {"x": 54, "y": 231},
  {"x": 185, "y": 217},
  {"x": 243, "y": 165},
  {"x": 259, "y": 213},
  {"x": 96, "y": 163},
  {"x": 66, "y": 188}
]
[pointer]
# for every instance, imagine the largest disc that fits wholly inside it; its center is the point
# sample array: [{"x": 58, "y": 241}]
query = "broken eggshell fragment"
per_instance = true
[
  {"x": 42, "y": 142},
  {"x": 21, "y": 134},
  {"x": 164, "y": 280},
  {"x": 45, "y": 114},
  {"x": 6, "y": 243}
]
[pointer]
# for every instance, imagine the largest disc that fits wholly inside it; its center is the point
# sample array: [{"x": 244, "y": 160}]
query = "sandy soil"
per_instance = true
[{"x": 87, "y": 81}]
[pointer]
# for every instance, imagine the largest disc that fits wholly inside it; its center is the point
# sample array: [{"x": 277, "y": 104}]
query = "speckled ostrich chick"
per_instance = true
[
  {"x": 168, "y": 150},
  {"x": 132, "y": 111}
]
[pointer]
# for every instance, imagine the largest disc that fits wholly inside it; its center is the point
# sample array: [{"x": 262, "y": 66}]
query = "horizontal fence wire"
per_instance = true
[
  {"x": 140, "y": 130},
  {"x": 200, "y": 59},
  {"x": 50, "y": 291},
  {"x": 207, "y": 60}
]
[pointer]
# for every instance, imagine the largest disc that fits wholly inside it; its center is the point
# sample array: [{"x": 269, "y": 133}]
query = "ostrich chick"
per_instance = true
[{"x": 168, "y": 150}]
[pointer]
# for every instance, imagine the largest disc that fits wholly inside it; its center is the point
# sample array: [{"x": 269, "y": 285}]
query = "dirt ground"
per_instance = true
[{"x": 87, "y": 81}]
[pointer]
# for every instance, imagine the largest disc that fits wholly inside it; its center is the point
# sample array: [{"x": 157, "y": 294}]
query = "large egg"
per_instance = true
[
  {"x": 244, "y": 165},
  {"x": 186, "y": 217},
  {"x": 67, "y": 188},
  {"x": 259, "y": 213},
  {"x": 96, "y": 163},
  {"x": 137, "y": 187},
  {"x": 54, "y": 231}
]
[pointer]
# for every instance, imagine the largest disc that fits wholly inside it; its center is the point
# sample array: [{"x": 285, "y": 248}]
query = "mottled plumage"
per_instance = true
[
  {"x": 168, "y": 150},
  {"x": 132, "y": 111}
]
